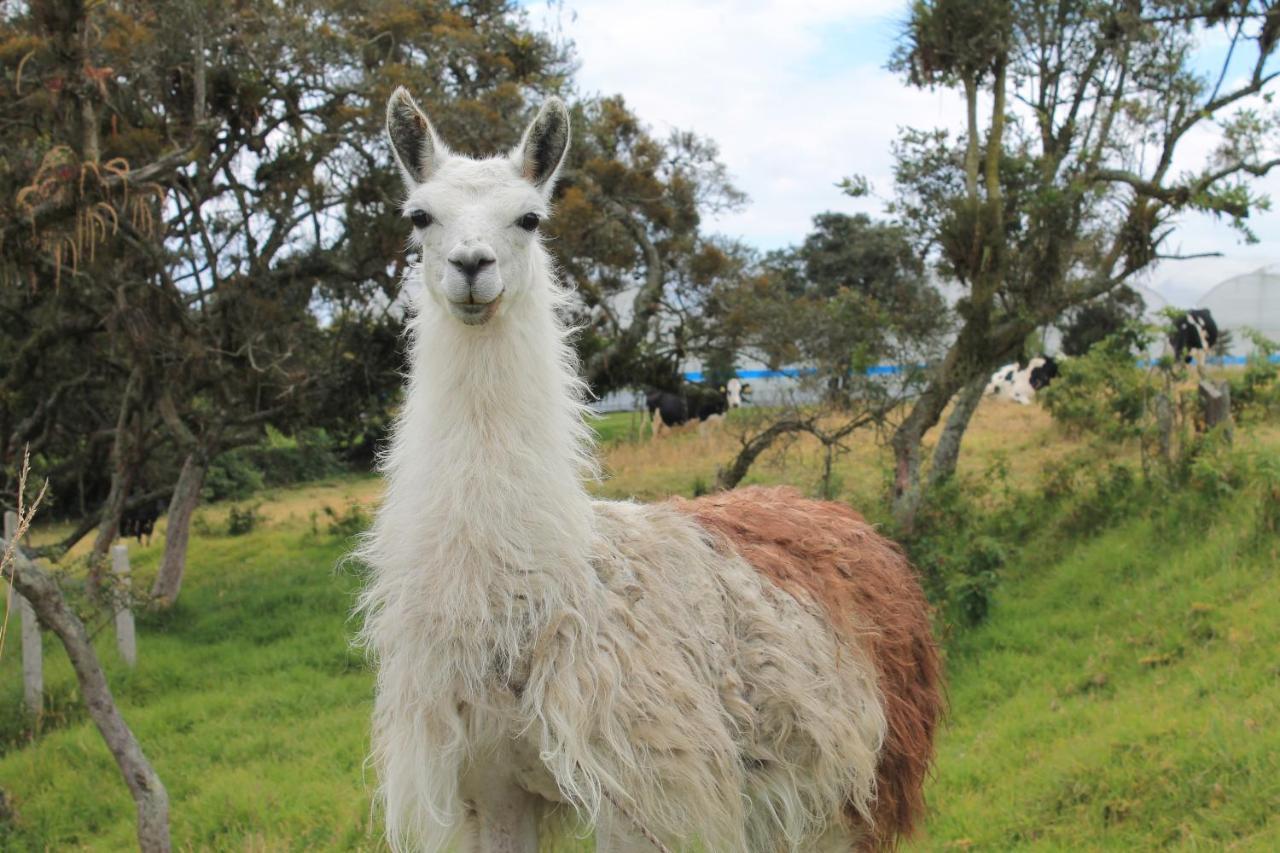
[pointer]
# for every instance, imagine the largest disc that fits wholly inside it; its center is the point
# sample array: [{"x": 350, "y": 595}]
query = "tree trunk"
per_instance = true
[
  {"x": 186, "y": 497},
  {"x": 947, "y": 453},
  {"x": 907, "y": 438},
  {"x": 728, "y": 478},
  {"x": 38, "y": 588},
  {"x": 54, "y": 550},
  {"x": 122, "y": 470},
  {"x": 1164, "y": 428}
]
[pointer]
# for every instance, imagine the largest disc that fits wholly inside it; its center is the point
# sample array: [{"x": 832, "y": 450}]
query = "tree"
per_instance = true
[
  {"x": 853, "y": 296},
  {"x": 1102, "y": 318},
  {"x": 626, "y": 235},
  {"x": 203, "y": 203},
  {"x": 40, "y": 589},
  {"x": 1071, "y": 188}
]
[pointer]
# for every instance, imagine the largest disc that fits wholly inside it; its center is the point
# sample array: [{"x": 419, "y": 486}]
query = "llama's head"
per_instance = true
[{"x": 476, "y": 221}]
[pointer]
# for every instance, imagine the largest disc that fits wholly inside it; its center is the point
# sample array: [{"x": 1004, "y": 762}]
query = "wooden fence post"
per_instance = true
[
  {"x": 126, "y": 640},
  {"x": 1215, "y": 400},
  {"x": 32, "y": 653}
]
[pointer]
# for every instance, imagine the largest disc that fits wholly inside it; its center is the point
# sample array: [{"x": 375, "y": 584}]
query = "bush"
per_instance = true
[
  {"x": 956, "y": 552},
  {"x": 351, "y": 522},
  {"x": 242, "y": 520},
  {"x": 279, "y": 460},
  {"x": 286, "y": 461},
  {"x": 1255, "y": 393},
  {"x": 1103, "y": 393},
  {"x": 231, "y": 477},
  {"x": 1267, "y": 524}
]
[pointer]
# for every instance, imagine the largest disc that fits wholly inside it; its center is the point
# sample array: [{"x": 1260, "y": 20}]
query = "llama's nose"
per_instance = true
[{"x": 470, "y": 260}]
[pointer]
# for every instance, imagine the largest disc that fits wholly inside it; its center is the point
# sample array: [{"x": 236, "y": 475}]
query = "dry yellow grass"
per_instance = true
[{"x": 1021, "y": 438}]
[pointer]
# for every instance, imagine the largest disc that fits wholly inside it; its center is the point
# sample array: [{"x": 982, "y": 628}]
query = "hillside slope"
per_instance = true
[
  {"x": 1124, "y": 694},
  {"x": 1125, "y": 697}
]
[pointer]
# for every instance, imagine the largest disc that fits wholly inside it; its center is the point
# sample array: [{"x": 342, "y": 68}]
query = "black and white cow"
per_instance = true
[
  {"x": 1020, "y": 384},
  {"x": 141, "y": 521},
  {"x": 1194, "y": 335},
  {"x": 699, "y": 403}
]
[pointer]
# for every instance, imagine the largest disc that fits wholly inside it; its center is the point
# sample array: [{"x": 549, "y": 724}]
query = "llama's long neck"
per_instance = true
[{"x": 486, "y": 524}]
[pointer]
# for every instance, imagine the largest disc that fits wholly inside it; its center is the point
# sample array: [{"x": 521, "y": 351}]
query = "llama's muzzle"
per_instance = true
[
  {"x": 475, "y": 313},
  {"x": 472, "y": 282}
]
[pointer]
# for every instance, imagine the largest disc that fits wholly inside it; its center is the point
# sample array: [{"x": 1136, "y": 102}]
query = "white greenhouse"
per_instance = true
[{"x": 1245, "y": 301}]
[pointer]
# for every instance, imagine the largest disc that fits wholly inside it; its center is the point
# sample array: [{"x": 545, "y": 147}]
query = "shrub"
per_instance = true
[
  {"x": 1255, "y": 393},
  {"x": 956, "y": 551},
  {"x": 231, "y": 477},
  {"x": 242, "y": 520},
  {"x": 286, "y": 461},
  {"x": 350, "y": 522},
  {"x": 279, "y": 460},
  {"x": 1267, "y": 524},
  {"x": 1103, "y": 393}
]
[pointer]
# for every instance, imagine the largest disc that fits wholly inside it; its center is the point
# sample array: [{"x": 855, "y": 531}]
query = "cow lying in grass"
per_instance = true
[
  {"x": 1020, "y": 384},
  {"x": 698, "y": 403}
]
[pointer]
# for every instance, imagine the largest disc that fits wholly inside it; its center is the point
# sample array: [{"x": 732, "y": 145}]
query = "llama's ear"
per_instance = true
[
  {"x": 413, "y": 139},
  {"x": 544, "y": 145}
]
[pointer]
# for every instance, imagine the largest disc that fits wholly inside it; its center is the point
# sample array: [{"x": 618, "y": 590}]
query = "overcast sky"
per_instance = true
[{"x": 797, "y": 96}]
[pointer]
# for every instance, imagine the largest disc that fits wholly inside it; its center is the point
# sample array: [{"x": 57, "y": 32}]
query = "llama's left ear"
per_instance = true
[{"x": 543, "y": 147}]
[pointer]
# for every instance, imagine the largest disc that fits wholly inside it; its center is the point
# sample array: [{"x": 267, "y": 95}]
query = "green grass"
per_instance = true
[
  {"x": 1125, "y": 693},
  {"x": 246, "y": 698},
  {"x": 1125, "y": 697},
  {"x": 616, "y": 427}
]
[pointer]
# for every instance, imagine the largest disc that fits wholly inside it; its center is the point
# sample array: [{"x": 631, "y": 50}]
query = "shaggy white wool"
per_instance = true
[
  {"x": 506, "y": 606},
  {"x": 589, "y": 647}
]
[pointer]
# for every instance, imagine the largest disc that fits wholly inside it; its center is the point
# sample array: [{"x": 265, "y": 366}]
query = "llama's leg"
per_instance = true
[{"x": 502, "y": 817}]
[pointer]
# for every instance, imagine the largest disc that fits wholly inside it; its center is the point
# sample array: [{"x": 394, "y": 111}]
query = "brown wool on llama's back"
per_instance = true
[{"x": 827, "y": 552}]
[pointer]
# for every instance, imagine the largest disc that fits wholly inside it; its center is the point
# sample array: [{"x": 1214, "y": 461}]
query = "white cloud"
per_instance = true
[{"x": 796, "y": 96}]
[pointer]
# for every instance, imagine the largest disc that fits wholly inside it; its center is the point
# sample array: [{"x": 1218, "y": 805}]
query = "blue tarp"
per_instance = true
[{"x": 893, "y": 369}]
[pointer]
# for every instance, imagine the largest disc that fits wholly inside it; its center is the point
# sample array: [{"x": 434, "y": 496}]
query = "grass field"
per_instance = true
[{"x": 1125, "y": 693}]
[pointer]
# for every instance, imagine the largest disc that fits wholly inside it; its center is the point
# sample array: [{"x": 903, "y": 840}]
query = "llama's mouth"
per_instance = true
[{"x": 475, "y": 313}]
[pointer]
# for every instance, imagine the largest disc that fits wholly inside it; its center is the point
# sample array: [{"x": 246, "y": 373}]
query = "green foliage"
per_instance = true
[
  {"x": 350, "y": 522},
  {"x": 972, "y": 530},
  {"x": 1103, "y": 393},
  {"x": 853, "y": 294},
  {"x": 1123, "y": 693},
  {"x": 956, "y": 552},
  {"x": 248, "y": 698},
  {"x": 231, "y": 477},
  {"x": 278, "y": 461},
  {"x": 629, "y": 209},
  {"x": 1267, "y": 521},
  {"x": 830, "y": 486},
  {"x": 286, "y": 461},
  {"x": 242, "y": 520},
  {"x": 1115, "y": 314},
  {"x": 1255, "y": 393}
]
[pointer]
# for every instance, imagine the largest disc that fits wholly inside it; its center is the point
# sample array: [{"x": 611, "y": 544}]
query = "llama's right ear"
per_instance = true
[{"x": 413, "y": 140}]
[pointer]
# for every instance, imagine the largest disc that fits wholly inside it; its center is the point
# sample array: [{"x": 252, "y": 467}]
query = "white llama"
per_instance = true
[{"x": 752, "y": 671}]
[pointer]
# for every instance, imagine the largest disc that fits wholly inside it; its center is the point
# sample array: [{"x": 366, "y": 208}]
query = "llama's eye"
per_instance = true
[
  {"x": 420, "y": 218},
  {"x": 529, "y": 221}
]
